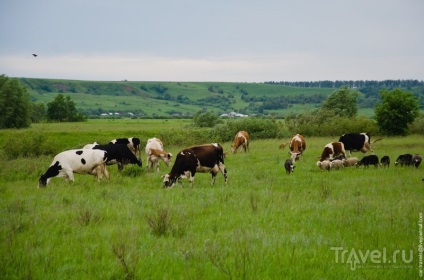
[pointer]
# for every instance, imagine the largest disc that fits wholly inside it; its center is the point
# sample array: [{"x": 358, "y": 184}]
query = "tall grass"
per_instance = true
[{"x": 264, "y": 225}]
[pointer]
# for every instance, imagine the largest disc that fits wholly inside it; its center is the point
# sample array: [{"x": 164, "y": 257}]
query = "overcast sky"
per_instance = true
[{"x": 215, "y": 40}]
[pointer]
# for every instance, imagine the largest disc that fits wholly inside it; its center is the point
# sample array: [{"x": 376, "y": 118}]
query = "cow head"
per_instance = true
[
  {"x": 53, "y": 171},
  {"x": 295, "y": 155},
  {"x": 169, "y": 181},
  {"x": 166, "y": 158},
  {"x": 233, "y": 149}
]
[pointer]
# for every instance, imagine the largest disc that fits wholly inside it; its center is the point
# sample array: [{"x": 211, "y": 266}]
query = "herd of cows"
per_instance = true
[
  {"x": 334, "y": 153},
  {"x": 209, "y": 158}
]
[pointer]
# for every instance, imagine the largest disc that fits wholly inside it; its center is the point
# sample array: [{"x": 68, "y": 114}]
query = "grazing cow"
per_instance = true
[
  {"x": 288, "y": 165},
  {"x": 241, "y": 141},
  {"x": 385, "y": 161},
  {"x": 81, "y": 161},
  {"x": 133, "y": 143},
  {"x": 203, "y": 158},
  {"x": 336, "y": 164},
  {"x": 350, "y": 161},
  {"x": 331, "y": 150},
  {"x": 357, "y": 142},
  {"x": 416, "y": 160},
  {"x": 119, "y": 153},
  {"x": 297, "y": 146},
  {"x": 155, "y": 152},
  {"x": 405, "y": 159},
  {"x": 367, "y": 161},
  {"x": 324, "y": 165}
]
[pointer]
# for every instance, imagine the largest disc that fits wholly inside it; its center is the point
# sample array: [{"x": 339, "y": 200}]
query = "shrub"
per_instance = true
[
  {"x": 33, "y": 144},
  {"x": 324, "y": 124}
]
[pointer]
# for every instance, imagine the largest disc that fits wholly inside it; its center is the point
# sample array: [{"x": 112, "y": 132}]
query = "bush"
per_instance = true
[
  {"x": 417, "y": 127},
  {"x": 323, "y": 124},
  {"x": 30, "y": 145},
  {"x": 256, "y": 127}
]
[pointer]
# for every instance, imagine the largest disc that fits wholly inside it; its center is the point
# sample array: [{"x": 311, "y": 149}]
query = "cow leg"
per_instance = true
[
  {"x": 213, "y": 177},
  {"x": 223, "y": 171},
  {"x": 107, "y": 175},
  {"x": 69, "y": 175},
  {"x": 120, "y": 166}
]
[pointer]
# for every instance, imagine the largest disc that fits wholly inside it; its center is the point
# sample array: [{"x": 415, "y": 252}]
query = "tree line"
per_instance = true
[{"x": 351, "y": 83}]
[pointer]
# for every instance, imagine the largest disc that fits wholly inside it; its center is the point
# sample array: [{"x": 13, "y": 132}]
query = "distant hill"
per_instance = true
[{"x": 181, "y": 99}]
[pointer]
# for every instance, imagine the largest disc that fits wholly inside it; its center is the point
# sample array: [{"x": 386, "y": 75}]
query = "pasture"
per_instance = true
[{"x": 265, "y": 224}]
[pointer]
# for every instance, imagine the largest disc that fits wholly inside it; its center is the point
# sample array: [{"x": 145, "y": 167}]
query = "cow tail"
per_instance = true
[{"x": 377, "y": 140}]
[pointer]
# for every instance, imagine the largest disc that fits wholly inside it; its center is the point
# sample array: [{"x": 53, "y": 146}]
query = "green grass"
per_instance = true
[{"x": 264, "y": 225}]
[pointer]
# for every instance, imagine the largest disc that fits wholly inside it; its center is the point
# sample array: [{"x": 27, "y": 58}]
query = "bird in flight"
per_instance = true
[{"x": 35, "y": 55}]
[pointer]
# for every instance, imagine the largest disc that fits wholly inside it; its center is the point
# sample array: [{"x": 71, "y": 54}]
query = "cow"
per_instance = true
[
  {"x": 357, "y": 142},
  {"x": 297, "y": 146},
  {"x": 331, "y": 150},
  {"x": 324, "y": 165},
  {"x": 350, "y": 161},
  {"x": 202, "y": 159},
  {"x": 405, "y": 159},
  {"x": 367, "y": 161},
  {"x": 336, "y": 164},
  {"x": 288, "y": 165},
  {"x": 385, "y": 161},
  {"x": 155, "y": 152},
  {"x": 416, "y": 160},
  {"x": 133, "y": 143},
  {"x": 241, "y": 141},
  {"x": 81, "y": 161},
  {"x": 119, "y": 153}
]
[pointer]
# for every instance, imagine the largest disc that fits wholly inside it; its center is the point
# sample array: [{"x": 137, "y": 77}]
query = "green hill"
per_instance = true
[{"x": 170, "y": 99}]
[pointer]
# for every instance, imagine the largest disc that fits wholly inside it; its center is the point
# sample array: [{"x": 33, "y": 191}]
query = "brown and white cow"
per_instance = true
[
  {"x": 297, "y": 146},
  {"x": 331, "y": 150},
  {"x": 241, "y": 141},
  {"x": 207, "y": 158},
  {"x": 155, "y": 152}
]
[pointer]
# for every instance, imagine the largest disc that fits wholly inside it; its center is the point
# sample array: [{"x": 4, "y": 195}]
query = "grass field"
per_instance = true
[{"x": 265, "y": 224}]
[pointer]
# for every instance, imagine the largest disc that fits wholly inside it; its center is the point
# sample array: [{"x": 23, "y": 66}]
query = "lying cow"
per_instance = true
[
  {"x": 367, "y": 161},
  {"x": 204, "y": 158},
  {"x": 357, "y": 142},
  {"x": 241, "y": 141},
  {"x": 331, "y": 150},
  {"x": 120, "y": 154},
  {"x": 133, "y": 143},
  {"x": 288, "y": 165},
  {"x": 81, "y": 161},
  {"x": 155, "y": 152},
  {"x": 297, "y": 146},
  {"x": 405, "y": 159}
]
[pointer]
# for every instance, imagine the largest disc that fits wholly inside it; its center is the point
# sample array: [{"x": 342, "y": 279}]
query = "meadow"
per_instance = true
[{"x": 265, "y": 224}]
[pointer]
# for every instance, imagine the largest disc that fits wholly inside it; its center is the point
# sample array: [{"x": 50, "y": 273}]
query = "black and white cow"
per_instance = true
[
  {"x": 367, "y": 161},
  {"x": 207, "y": 158},
  {"x": 82, "y": 161},
  {"x": 133, "y": 143},
  {"x": 405, "y": 159},
  {"x": 119, "y": 153},
  {"x": 354, "y": 142}
]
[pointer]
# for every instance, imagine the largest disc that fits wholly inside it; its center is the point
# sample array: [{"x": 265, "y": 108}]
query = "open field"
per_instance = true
[{"x": 265, "y": 224}]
